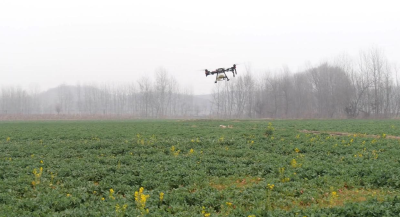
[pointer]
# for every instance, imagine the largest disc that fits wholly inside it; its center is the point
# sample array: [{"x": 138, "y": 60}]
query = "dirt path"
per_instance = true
[{"x": 348, "y": 134}]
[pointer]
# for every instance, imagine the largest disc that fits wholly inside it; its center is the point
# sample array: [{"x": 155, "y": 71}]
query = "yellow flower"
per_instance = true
[
  {"x": 68, "y": 195},
  {"x": 177, "y": 153},
  {"x": 111, "y": 194},
  {"x": 296, "y": 150},
  {"x": 293, "y": 163},
  {"x": 119, "y": 209},
  {"x": 141, "y": 199},
  {"x": 228, "y": 203},
  {"x": 41, "y": 161},
  {"x": 102, "y": 199},
  {"x": 270, "y": 186},
  {"x": 161, "y": 196},
  {"x": 8, "y": 139},
  {"x": 191, "y": 151},
  {"x": 207, "y": 214}
]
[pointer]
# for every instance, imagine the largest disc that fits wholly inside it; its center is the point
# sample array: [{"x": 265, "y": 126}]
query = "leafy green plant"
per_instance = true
[
  {"x": 270, "y": 130},
  {"x": 94, "y": 168}
]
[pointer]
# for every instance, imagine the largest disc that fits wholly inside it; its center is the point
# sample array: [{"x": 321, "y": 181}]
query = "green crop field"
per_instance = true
[{"x": 197, "y": 168}]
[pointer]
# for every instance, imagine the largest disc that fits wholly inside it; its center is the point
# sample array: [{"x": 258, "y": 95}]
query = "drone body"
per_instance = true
[{"x": 221, "y": 75}]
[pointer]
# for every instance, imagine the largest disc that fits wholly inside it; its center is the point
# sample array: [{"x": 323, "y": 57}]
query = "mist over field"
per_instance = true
[
  {"x": 308, "y": 59},
  {"x": 341, "y": 89}
]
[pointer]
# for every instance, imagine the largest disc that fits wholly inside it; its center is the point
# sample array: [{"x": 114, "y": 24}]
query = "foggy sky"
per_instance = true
[{"x": 52, "y": 42}]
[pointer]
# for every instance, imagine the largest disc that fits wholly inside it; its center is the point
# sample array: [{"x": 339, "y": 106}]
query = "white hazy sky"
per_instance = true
[{"x": 47, "y": 43}]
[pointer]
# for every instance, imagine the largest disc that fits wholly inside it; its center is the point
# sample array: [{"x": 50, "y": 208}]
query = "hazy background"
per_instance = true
[{"x": 46, "y": 43}]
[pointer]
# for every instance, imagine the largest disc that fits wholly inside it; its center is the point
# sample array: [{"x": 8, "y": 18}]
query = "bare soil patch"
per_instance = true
[
  {"x": 222, "y": 183},
  {"x": 348, "y": 134}
]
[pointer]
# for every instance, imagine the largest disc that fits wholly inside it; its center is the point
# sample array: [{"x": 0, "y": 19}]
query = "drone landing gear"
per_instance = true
[{"x": 227, "y": 79}]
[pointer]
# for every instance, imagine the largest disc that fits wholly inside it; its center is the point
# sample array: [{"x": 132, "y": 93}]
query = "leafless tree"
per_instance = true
[
  {"x": 145, "y": 88},
  {"x": 58, "y": 108}
]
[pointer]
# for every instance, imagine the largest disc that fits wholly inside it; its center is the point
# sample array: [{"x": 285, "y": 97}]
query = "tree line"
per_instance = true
[
  {"x": 367, "y": 87},
  {"x": 364, "y": 87},
  {"x": 146, "y": 98}
]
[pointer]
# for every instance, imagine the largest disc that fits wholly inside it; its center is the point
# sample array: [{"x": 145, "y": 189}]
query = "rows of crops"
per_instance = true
[{"x": 196, "y": 168}]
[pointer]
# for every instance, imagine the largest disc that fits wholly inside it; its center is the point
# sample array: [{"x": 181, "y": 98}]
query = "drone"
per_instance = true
[{"x": 221, "y": 75}]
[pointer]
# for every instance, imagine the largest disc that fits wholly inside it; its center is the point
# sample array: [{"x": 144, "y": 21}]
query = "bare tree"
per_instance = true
[
  {"x": 239, "y": 97},
  {"x": 58, "y": 108},
  {"x": 160, "y": 94},
  {"x": 145, "y": 96},
  {"x": 372, "y": 64},
  {"x": 286, "y": 87}
]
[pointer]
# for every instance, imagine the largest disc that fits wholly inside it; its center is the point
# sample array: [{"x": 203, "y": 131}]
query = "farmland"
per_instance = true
[{"x": 197, "y": 168}]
